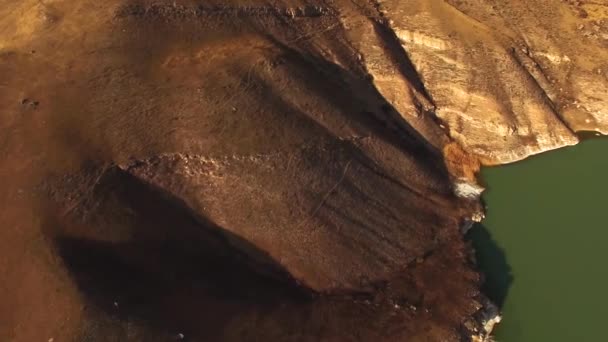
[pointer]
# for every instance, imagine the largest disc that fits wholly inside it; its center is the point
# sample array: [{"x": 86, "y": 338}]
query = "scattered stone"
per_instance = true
[{"x": 30, "y": 103}]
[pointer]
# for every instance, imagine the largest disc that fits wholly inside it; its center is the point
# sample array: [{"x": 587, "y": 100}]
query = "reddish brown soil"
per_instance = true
[{"x": 325, "y": 216}]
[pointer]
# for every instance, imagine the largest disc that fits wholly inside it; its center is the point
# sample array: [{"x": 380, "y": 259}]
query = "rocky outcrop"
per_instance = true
[
  {"x": 304, "y": 166},
  {"x": 508, "y": 81}
]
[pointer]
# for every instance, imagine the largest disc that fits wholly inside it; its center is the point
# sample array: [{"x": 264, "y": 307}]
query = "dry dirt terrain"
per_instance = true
[{"x": 271, "y": 170}]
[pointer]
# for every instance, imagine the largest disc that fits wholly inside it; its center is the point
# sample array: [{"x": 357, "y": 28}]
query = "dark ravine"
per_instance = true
[{"x": 286, "y": 170}]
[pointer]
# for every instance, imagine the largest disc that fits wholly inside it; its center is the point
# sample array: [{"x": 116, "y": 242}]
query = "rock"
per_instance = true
[
  {"x": 30, "y": 103},
  {"x": 346, "y": 176}
]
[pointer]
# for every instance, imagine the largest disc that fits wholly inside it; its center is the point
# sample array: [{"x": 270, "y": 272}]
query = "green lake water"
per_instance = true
[{"x": 544, "y": 245}]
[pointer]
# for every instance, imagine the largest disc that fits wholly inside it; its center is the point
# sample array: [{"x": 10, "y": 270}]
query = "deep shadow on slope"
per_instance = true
[
  {"x": 361, "y": 106},
  {"x": 492, "y": 261},
  {"x": 177, "y": 272}
]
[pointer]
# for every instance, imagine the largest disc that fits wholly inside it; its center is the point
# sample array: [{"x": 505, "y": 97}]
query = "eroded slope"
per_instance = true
[{"x": 162, "y": 158}]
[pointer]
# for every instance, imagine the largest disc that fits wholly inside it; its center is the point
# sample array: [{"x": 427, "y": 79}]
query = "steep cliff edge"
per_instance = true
[
  {"x": 508, "y": 79},
  {"x": 282, "y": 170}
]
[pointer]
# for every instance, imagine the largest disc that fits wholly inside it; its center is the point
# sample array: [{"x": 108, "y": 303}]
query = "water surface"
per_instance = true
[{"x": 544, "y": 245}]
